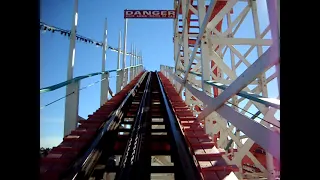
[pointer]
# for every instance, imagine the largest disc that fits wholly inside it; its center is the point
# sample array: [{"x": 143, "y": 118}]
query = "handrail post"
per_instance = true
[
  {"x": 135, "y": 61},
  {"x": 131, "y": 63},
  {"x": 139, "y": 61},
  {"x": 125, "y": 71},
  {"x": 71, "y": 107},
  {"x": 71, "y": 103},
  {"x": 104, "y": 76},
  {"x": 119, "y": 79}
]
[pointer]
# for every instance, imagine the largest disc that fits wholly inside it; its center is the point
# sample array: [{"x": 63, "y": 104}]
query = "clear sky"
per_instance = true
[{"x": 152, "y": 37}]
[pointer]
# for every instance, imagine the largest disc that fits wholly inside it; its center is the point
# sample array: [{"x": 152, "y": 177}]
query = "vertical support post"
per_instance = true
[
  {"x": 131, "y": 63},
  {"x": 176, "y": 36},
  {"x": 72, "y": 50},
  {"x": 141, "y": 58},
  {"x": 176, "y": 39},
  {"x": 274, "y": 18},
  {"x": 234, "y": 98},
  {"x": 166, "y": 71},
  {"x": 161, "y": 68},
  {"x": 125, "y": 75},
  {"x": 205, "y": 65},
  {"x": 171, "y": 74},
  {"x": 119, "y": 80},
  {"x": 186, "y": 54},
  {"x": 185, "y": 10},
  {"x": 262, "y": 78},
  {"x": 135, "y": 61},
  {"x": 105, "y": 76},
  {"x": 278, "y": 12},
  {"x": 278, "y": 65},
  {"x": 176, "y": 47},
  {"x": 205, "y": 59},
  {"x": 141, "y": 67},
  {"x": 138, "y": 61},
  {"x": 71, "y": 103}
]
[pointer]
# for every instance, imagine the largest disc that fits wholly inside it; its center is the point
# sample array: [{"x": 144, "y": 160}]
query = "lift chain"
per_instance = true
[
  {"x": 127, "y": 153},
  {"x": 135, "y": 137},
  {"x": 134, "y": 146}
]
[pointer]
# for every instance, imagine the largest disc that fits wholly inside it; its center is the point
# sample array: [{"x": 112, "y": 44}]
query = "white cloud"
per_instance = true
[{"x": 50, "y": 141}]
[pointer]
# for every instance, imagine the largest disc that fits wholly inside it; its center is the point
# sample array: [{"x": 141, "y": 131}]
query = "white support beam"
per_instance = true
[
  {"x": 205, "y": 61},
  {"x": 254, "y": 97},
  {"x": 251, "y": 95},
  {"x": 274, "y": 18},
  {"x": 243, "y": 148},
  {"x": 130, "y": 64},
  {"x": 241, "y": 41},
  {"x": 262, "y": 80},
  {"x": 196, "y": 45},
  {"x": 234, "y": 26},
  {"x": 136, "y": 62},
  {"x": 184, "y": 26},
  {"x": 233, "y": 67},
  {"x": 104, "y": 77},
  {"x": 194, "y": 10},
  {"x": 125, "y": 72},
  {"x": 264, "y": 62},
  {"x": 72, "y": 101},
  {"x": 269, "y": 117},
  {"x": 266, "y": 138},
  {"x": 193, "y": 35},
  {"x": 104, "y": 88},
  {"x": 227, "y": 8},
  {"x": 185, "y": 12},
  {"x": 119, "y": 77},
  {"x": 71, "y": 108},
  {"x": 264, "y": 33}
]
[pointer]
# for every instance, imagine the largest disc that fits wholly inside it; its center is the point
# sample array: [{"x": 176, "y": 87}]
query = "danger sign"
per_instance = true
[{"x": 169, "y": 14}]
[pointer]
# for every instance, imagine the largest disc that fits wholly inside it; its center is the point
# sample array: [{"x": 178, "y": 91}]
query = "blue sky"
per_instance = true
[{"x": 152, "y": 37}]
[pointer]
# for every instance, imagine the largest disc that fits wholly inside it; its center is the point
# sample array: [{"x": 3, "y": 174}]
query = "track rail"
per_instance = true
[
  {"x": 130, "y": 158},
  {"x": 151, "y": 133}
]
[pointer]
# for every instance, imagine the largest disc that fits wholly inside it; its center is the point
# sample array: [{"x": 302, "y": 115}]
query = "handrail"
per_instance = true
[{"x": 76, "y": 79}]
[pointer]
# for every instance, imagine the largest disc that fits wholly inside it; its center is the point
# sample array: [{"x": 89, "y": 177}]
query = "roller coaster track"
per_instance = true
[{"x": 146, "y": 120}]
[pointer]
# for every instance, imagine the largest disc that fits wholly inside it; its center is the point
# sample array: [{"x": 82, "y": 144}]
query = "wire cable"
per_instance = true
[
  {"x": 46, "y": 27},
  {"x": 72, "y": 93}
]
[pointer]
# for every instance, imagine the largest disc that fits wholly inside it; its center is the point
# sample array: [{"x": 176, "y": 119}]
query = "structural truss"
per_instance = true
[{"x": 221, "y": 89}]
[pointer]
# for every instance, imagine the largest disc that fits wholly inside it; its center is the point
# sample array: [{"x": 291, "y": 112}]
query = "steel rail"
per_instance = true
[
  {"x": 134, "y": 144},
  {"x": 184, "y": 157}
]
